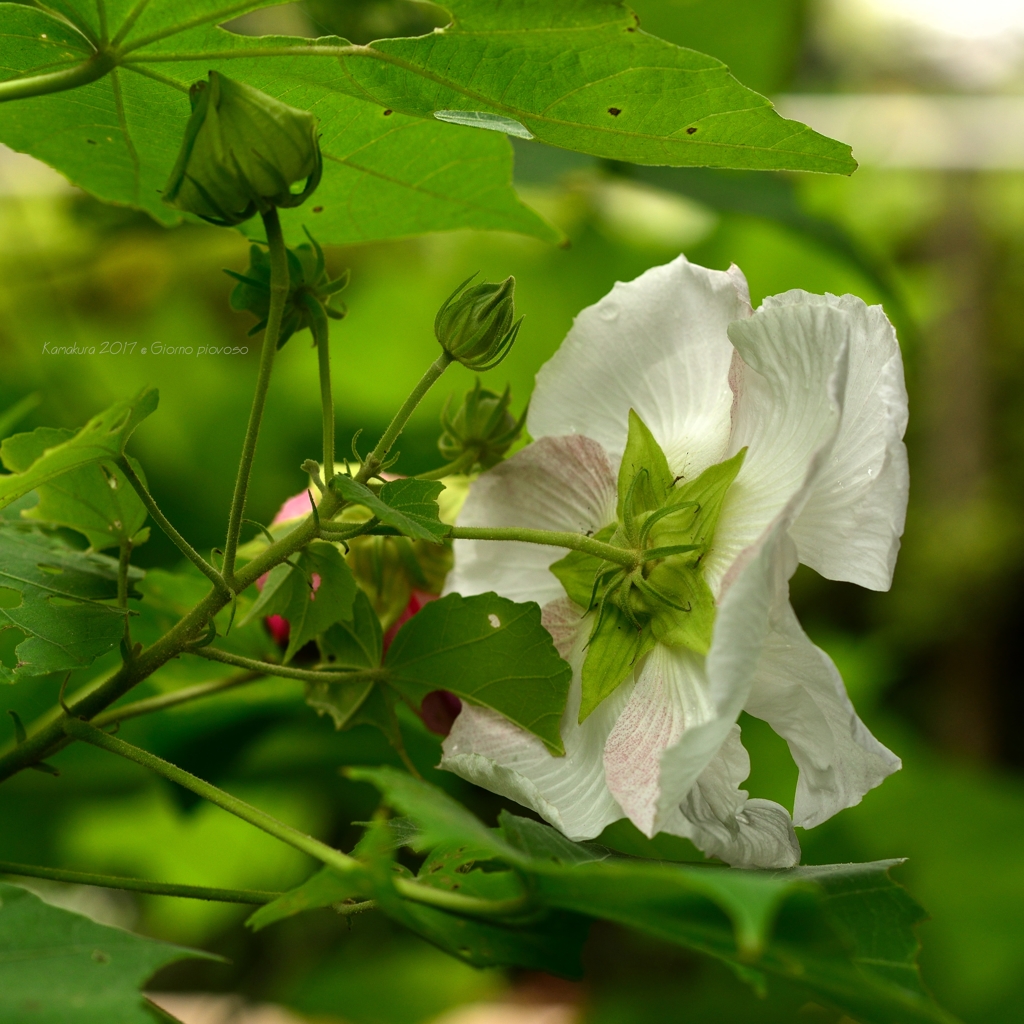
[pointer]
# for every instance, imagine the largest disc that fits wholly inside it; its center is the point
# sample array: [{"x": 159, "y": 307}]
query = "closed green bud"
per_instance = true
[
  {"x": 312, "y": 295},
  {"x": 482, "y": 427},
  {"x": 243, "y": 150},
  {"x": 477, "y": 324}
]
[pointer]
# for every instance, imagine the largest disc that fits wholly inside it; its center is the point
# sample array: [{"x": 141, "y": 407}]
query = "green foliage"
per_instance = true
[
  {"x": 323, "y": 889},
  {"x": 409, "y": 506},
  {"x": 54, "y": 595},
  {"x": 487, "y": 650},
  {"x": 313, "y": 592},
  {"x": 96, "y": 500},
  {"x": 58, "y": 967},
  {"x": 102, "y": 439}
]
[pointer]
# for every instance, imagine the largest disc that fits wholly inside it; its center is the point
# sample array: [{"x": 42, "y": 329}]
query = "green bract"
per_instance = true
[
  {"x": 482, "y": 427},
  {"x": 312, "y": 295},
  {"x": 243, "y": 150},
  {"x": 663, "y": 597},
  {"x": 477, "y": 325}
]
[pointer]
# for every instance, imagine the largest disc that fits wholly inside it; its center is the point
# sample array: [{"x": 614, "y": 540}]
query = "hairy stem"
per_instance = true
[
  {"x": 233, "y": 805},
  {"x": 89, "y": 70},
  {"x": 463, "y": 464},
  {"x": 164, "y": 523},
  {"x": 188, "y": 892},
  {"x": 574, "y": 541},
  {"x": 170, "y": 700},
  {"x": 459, "y": 904},
  {"x": 376, "y": 458},
  {"x": 279, "y": 281},
  {"x": 286, "y": 671}
]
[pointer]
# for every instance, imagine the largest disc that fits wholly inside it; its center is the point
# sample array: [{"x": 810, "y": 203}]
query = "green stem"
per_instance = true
[
  {"x": 188, "y": 892},
  {"x": 256, "y": 51},
  {"x": 286, "y": 671},
  {"x": 376, "y": 458},
  {"x": 164, "y": 523},
  {"x": 463, "y": 464},
  {"x": 574, "y": 541},
  {"x": 321, "y": 337},
  {"x": 233, "y": 805},
  {"x": 459, "y": 904},
  {"x": 279, "y": 281},
  {"x": 170, "y": 700},
  {"x": 58, "y": 81},
  {"x": 123, "y": 563}
]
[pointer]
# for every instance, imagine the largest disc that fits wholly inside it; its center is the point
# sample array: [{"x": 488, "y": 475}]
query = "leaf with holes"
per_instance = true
[
  {"x": 487, "y": 650},
  {"x": 59, "y": 967},
  {"x": 102, "y": 439},
  {"x": 53, "y": 594}
]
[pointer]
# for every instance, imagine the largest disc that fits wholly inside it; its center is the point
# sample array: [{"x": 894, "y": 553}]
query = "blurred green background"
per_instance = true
[{"x": 932, "y": 666}]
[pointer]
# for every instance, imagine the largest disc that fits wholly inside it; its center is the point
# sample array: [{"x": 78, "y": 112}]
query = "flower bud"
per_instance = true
[
  {"x": 482, "y": 426},
  {"x": 308, "y": 283},
  {"x": 242, "y": 152},
  {"x": 475, "y": 325}
]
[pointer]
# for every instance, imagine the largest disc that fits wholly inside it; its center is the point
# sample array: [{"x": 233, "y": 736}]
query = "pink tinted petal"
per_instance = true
[
  {"x": 439, "y": 709},
  {"x": 279, "y": 628},
  {"x": 293, "y": 508}
]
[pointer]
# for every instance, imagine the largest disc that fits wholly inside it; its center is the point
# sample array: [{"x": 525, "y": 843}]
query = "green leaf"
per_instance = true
[
  {"x": 323, "y": 889},
  {"x": 487, "y": 650},
  {"x": 410, "y": 506},
  {"x": 312, "y": 594},
  {"x": 14, "y": 414},
  {"x": 644, "y": 475},
  {"x": 596, "y": 84},
  {"x": 58, "y": 967},
  {"x": 53, "y": 594},
  {"x": 96, "y": 500},
  {"x": 102, "y": 439},
  {"x": 612, "y": 652}
]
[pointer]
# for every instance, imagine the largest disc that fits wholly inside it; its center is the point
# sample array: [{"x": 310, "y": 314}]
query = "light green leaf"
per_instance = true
[
  {"x": 410, "y": 506},
  {"x": 53, "y": 594},
  {"x": 596, "y": 84},
  {"x": 487, "y": 650},
  {"x": 643, "y": 473},
  {"x": 323, "y": 889},
  {"x": 611, "y": 654},
  {"x": 58, "y": 967},
  {"x": 312, "y": 594},
  {"x": 96, "y": 500},
  {"x": 102, "y": 439},
  {"x": 14, "y": 414}
]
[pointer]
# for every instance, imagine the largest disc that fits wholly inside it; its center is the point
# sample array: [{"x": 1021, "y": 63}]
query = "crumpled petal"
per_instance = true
[
  {"x": 800, "y": 693},
  {"x": 657, "y": 345},
  {"x": 569, "y": 792},
  {"x": 790, "y": 382},
  {"x": 556, "y": 483},
  {"x": 719, "y": 818},
  {"x": 850, "y": 527}
]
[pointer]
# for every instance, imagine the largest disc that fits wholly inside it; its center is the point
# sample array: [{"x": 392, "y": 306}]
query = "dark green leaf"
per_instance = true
[
  {"x": 323, "y": 889},
  {"x": 312, "y": 597},
  {"x": 488, "y": 650},
  {"x": 410, "y": 506},
  {"x": 102, "y": 439},
  {"x": 52, "y": 593},
  {"x": 95, "y": 500},
  {"x": 58, "y": 967}
]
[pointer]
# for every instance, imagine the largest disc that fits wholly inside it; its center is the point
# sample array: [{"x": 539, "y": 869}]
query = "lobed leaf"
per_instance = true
[{"x": 409, "y": 506}]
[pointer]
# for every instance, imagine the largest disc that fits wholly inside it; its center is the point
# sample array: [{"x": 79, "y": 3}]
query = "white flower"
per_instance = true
[{"x": 812, "y": 387}]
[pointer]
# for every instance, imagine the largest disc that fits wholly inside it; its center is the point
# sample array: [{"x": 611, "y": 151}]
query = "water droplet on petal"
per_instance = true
[{"x": 608, "y": 311}]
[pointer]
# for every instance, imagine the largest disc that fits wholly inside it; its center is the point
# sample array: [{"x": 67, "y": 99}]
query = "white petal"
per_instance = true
[
  {"x": 570, "y": 791},
  {"x": 556, "y": 483},
  {"x": 850, "y": 527},
  {"x": 789, "y": 381},
  {"x": 657, "y": 345},
  {"x": 799, "y": 692},
  {"x": 720, "y": 819},
  {"x": 683, "y": 706}
]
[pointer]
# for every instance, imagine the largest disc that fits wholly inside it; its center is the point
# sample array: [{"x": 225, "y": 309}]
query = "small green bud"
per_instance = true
[
  {"x": 242, "y": 152},
  {"x": 311, "y": 293},
  {"x": 482, "y": 425},
  {"x": 477, "y": 324}
]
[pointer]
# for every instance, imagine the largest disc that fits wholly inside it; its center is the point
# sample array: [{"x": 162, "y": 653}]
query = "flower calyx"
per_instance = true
[
  {"x": 481, "y": 430},
  {"x": 312, "y": 295},
  {"x": 476, "y": 325},
  {"x": 661, "y": 597},
  {"x": 243, "y": 151}
]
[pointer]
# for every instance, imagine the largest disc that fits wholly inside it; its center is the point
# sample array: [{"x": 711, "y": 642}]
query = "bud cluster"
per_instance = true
[{"x": 482, "y": 426}]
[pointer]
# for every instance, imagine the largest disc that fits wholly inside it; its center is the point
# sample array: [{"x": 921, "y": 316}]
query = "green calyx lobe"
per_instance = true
[{"x": 668, "y": 525}]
